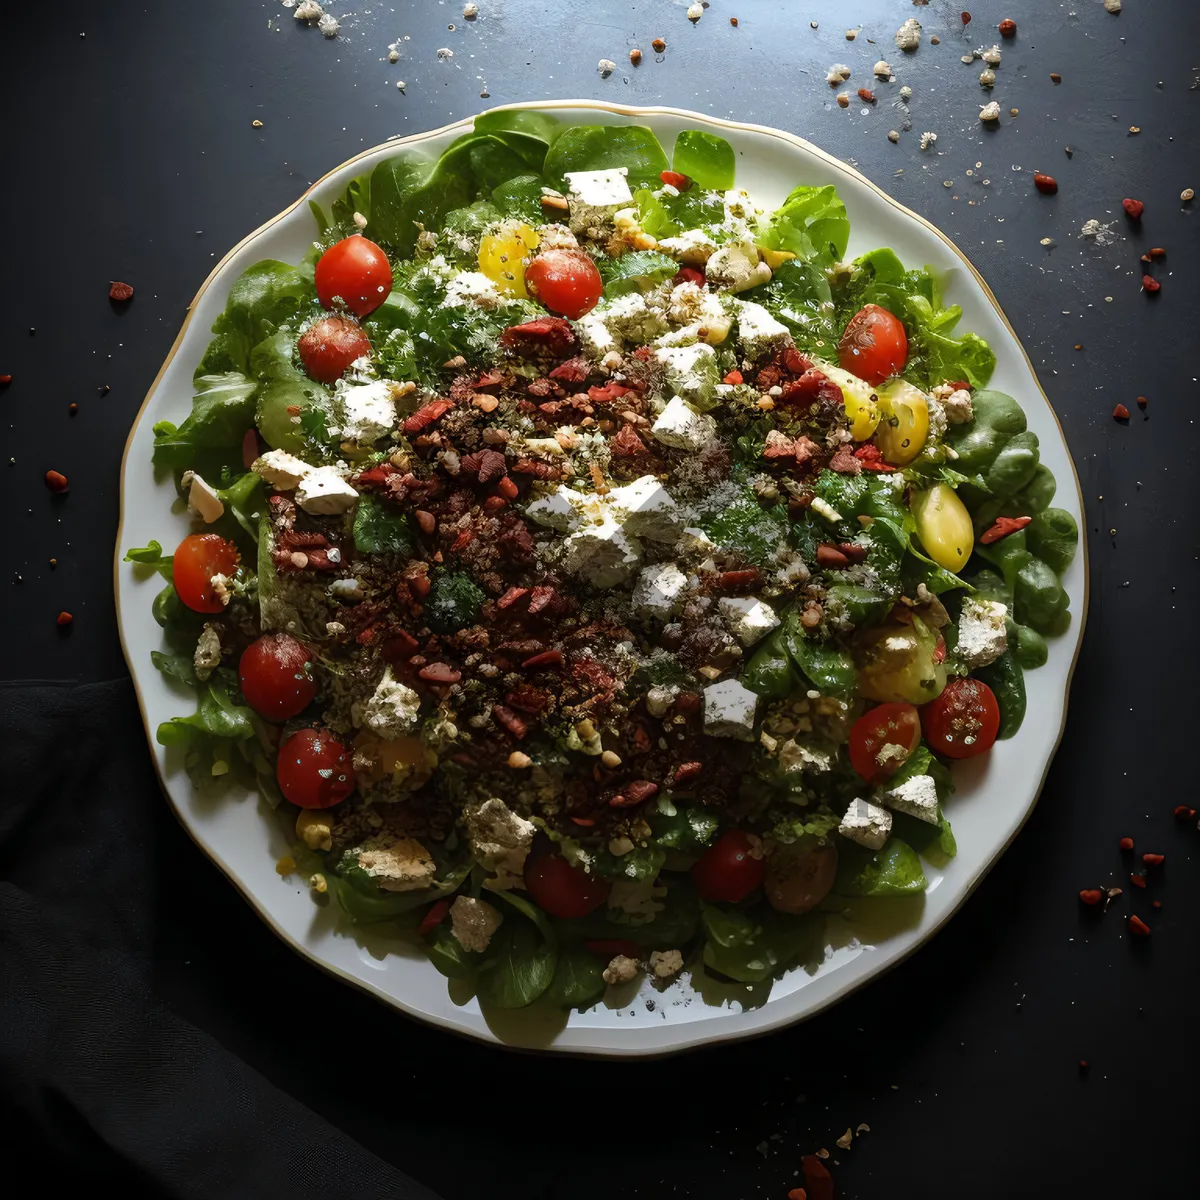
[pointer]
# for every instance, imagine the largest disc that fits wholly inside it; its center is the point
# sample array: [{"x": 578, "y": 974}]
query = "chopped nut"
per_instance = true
[
  {"x": 659, "y": 45},
  {"x": 843, "y": 100},
  {"x": 606, "y": 66},
  {"x": 990, "y": 112},
  {"x": 635, "y": 56},
  {"x": 519, "y": 760},
  {"x": 610, "y": 759},
  {"x": 256, "y": 123},
  {"x": 893, "y": 135},
  {"x": 1187, "y": 194},
  {"x": 695, "y": 12}
]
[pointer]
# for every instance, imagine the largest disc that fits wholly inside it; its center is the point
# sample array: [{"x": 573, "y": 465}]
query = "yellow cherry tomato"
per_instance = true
[
  {"x": 859, "y": 399},
  {"x": 502, "y": 256},
  {"x": 896, "y": 664},
  {"x": 903, "y": 422},
  {"x": 944, "y": 526}
]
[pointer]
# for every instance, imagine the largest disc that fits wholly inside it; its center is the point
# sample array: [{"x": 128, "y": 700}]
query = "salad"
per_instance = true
[{"x": 597, "y": 571}]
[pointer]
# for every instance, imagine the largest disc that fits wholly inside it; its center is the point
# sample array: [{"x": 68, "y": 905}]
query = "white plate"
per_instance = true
[{"x": 995, "y": 794}]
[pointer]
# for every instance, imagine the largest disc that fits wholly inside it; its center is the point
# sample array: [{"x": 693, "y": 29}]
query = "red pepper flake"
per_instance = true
[
  {"x": 1153, "y": 860},
  {"x": 1138, "y": 880},
  {"x": 1126, "y": 844},
  {"x": 797, "y": 1194},
  {"x": 1003, "y": 526},
  {"x": 1138, "y": 926},
  {"x": 72, "y": 409},
  {"x": 1046, "y": 184},
  {"x": 5, "y": 380},
  {"x": 120, "y": 291},
  {"x": 1121, "y": 413},
  {"x": 56, "y": 481},
  {"x": 866, "y": 95},
  {"x": 1183, "y": 813},
  {"x": 583, "y": 822},
  {"x": 734, "y": 378},
  {"x": 434, "y": 917},
  {"x": 1142, "y": 402},
  {"x": 1091, "y": 896},
  {"x": 1156, "y": 904},
  {"x": 1083, "y": 1064},
  {"x": 733, "y": 21},
  {"x": 965, "y": 17},
  {"x": 1150, "y": 284},
  {"x": 1155, "y": 252},
  {"x": 64, "y": 619},
  {"x": 817, "y": 1180},
  {"x": 676, "y": 180},
  {"x": 1133, "y": 208},
  {"x": 1007, "y": 28}
]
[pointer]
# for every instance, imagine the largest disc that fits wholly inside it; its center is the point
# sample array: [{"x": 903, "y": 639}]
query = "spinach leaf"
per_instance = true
[
  {"x": 1014, "y": 466},
  {"x": 829, "y": 669},
  {"x": 448, "y": 956},
  {"x": 175, "y": 666},
  {"x": 578, "y": 978},
  {"x": 798, "y": 295},
  {"x": 520, "y": 963},
  {"x": 1054, "y": 537},
  {"x": 642, "y": 863},
  {"x": 381, "y": 529},
  {"x": 409, "y": 193},
  {"x": 217, "y": 714},
  {"x": 1030, "y": 648},
  {"x": 1007, "y": 681},
  {"x": 153, "y": 557},
  {"x": 640, "y": 271},
  {"x": 181, "y": 626},
  {"x": 705, "y": 158},
  {"x": 1039, "y": 599},
  {"x": 998, "y": 418},
  {"x": 747, "y": 528},
  {"x": 893, "y": 871},
  {"x": 750, "y": 947},
  {"x": 603, "y": 147},
  {"x": 770, "y": 672},
  {"x": 811, "y": 223},
  {"x": 521, "y": 199},
  {"x": 365, "y": 902},
  {"x": 222, "y": 412},
  {"x": 283, "y": 388},
  {"x": 689, "y": 830},
  {"x": 531, "y": 130}
]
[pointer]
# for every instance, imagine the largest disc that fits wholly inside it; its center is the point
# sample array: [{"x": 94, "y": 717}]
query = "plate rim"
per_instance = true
[{"x": 696, "y": 1040}]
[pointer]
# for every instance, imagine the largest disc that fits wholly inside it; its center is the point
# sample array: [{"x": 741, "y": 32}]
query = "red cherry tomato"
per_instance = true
[
  {"x": 276, "y": 676},
  {"x": 963, "y": 721},
  {"x": 874, "y": 346},
  {"x": 884, "y": 725},
  {"x": 314, "y": 769},
  {"x": 357, "y": 272},
  {"x": 561, "y": 889},
  {"x": 199, "y": 557},
  {"x": 327, "y": 348},
  {"x": 728, "y": 869},
  {"x": 565, "y": 281}
]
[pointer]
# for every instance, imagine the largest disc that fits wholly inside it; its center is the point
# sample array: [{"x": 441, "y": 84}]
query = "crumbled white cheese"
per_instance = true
[
  {"x": 958, "y": 407},
  {"x": 308, "y": 10},
  {"x": 556, "y": 510},
  {"x": 202, "y": 501},
  {"x": 837, "y": 74},
  {"x": 659, "y": 591},
  {"x": 736, "y": 267},
  {"x": 659, "y": 700},
  {"x": 595, "y": 196},
  {"x": 645, "y": 509},
  {"x": 867, "y": 824},
  {"x": 500, "y": 841},
  {"x": 472, "y": 287},
  {"x": 630, "y": 319},
  {"x": 364, "y": 412},
  {"x": 891, "y": 752},
  {"x": 640, "y": 899},
  {"x": 908, "y": 36},
  {"x": 323, "y": 492},
  {"x": 220, "y": 584},
  {"x": 397, "y": 864},
  {"x": 729, "y": 710},
  {"x": 882, "y": 69},
  {"x": 606, "y": 67},
  {"x": 620, "y": 970},
  {"x": 749, "y": 620},
  {"x": 1112, "y": 6},
  {"x": 393, "y": 710},
  {"x": 473, "y": 922},
  {"x": 283, "y": 471},
  {"x": 666, "y": 964},
  {"x": 991, "y": 57},
  {"x": 693, "y": 247},
  {"x": 927, "y": 139},
  {"x": 916, "y": 796},
  {"x": 695, "y": 12},
  {"x": 798, "y": 756},
  {"x": 759, "y": 333},
  {"x": 602, "y": 554},
  {"x": 207, "y": 656},
  {"x": 691, "y": 373},
  {"x": 682, "y": 427},
  {"x": 470, "y": 12},
  {"x": 329, "y": 25},
  {"x": 982, "y": 635},
  {"x": 990, "y": 111}
]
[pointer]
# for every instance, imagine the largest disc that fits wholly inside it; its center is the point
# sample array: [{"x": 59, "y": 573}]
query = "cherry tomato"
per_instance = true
[
  {"x": 565, "y": 281},
  {"x": 728, "y": 869},
  {"x": 434, "y": 916},
  {"x": 561, "y": 889},
  {"x": 884, "y": 725},
  {"x": 327, "y": 348},
  {"x": 357, "y": 272},
  {"x": 963, "y": 721},
  {"x": 199, "y": 557},
  {"x": 874, "y": 346},
  {"x": 276, "y": 676},
  {"x": 314, "y": 769}
]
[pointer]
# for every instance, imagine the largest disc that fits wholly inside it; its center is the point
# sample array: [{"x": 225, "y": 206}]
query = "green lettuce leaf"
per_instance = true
[{"x": 705, "y": 158}]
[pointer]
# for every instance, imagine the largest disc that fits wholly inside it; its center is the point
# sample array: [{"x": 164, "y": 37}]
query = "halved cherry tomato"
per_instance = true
[
  {"x": 963, "y": 721},
  {"x": 893, "y": 725},
  {"x": 561, "y": 889},
  {"x": 565, "y": 281},
  {"x": 276, "y": 676},
  {"x": 314, "y": 769},
  {"x": 676, "y": 180},
  {"x": 357, "y": 272},
  {"x": 728, "y": 869},
  {"x": 199, "y": 557},
  {"x": 327, "y": 348},
  {"x": 874, "y": 346}
]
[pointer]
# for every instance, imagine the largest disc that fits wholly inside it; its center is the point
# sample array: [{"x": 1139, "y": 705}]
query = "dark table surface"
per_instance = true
[{"x": 130, "y": 154}]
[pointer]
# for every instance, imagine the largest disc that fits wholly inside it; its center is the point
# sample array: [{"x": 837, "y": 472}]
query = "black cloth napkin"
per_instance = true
[{"x": 99, "y": 1079}]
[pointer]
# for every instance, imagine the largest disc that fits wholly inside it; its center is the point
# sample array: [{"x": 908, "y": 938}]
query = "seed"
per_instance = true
[
  {"x": 1149, "y": 284},
  {"x": 519, "y": 760},
  {"x": 1183, "y": 813},
  {"x": 1046, "y": 184},
  {"x": 695, "y": 12},
  {"x": 64, "y": 619},
  {"x": 1142, "y": 402},
  {"x": 1126, "y": 844},
  {"x": 893, "y": 136},
  {"x": 1187, "y": 194},
  {"x": 56, "y": 481},
  {"x": 120, "y": 291},
  {"x": 256, "y": 123},
  {"x": 1007, "y": 28},
  {"x": 610, "y": 759},
  {"x": 843, "y": 100},
  {"x": 866, "y": 95},
  {"x": 1091, "y": 895},
  {"x": 659, "y": 45},
  {"x": 5, "y": 380},
  {"x": 1153, "y": 860},
  {"x": 72, "y": 409},
  {"x": 1157, "y": 252},
  {"x": 965, "y": 17},
  {"x": 1055, "y": 77},
  {"x": 635, "y": 56},
  {"x": 1138, "y": 926},
  {"x": 1156, "y": 904},
  {"x": 733, "y": 21}
]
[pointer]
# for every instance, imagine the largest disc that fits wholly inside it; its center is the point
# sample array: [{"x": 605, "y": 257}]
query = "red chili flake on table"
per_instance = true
[
  {"x": 1126, "y": 844},
  {"x": 1046, "y": 184},
  {"x": 1007, "y": 28},
  {"x": 817, "y": 1179},
  {"x": 797, "y": 1194},
  {"x": 1142, "y": 402},
  {"x": 866, "y": 95},
  {"x": 56, "y": 481},
  {"x": 5, "y": 380},
  {"x": 1150, "y": 284},
  {"x": 1155, "y": 252},
  {"x": 1133, "y": 208},
  {"x": 1138, "y": 880},
  {"x": 1183, "y": 813},
  {"x": 1156, "y": 904},
  {"x": 119, "y": 291},
  {"x": 965, "y": 17},
  {"x": 1121, "y": 413},
  {"x": 1091, "y": 896},
  {"x": 1138, "y": 926},
  {"x": 64, "y": 619},
  {"x": 1153, "y": 860},
  {"x": 1003, "y": 526}
]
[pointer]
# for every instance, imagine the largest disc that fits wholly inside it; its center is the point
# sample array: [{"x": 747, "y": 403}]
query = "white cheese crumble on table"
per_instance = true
[
  {"x": 990, "y": 112},
  {"x": 658, "y": 591},
  {"x": 908, "y": 36},
  {"x": 916, "y": 796},
  {"x": 748, "y": 619},
  {"x": 323, "y": 492},
  {"x": 867, "y": 824},
  {"x": 329, "y": 25},
  {"x": 397, "y": 864},
  {"x": 759, "y": 332},
  {"x": 982, "y": 636},
  {"x": 473, "y": 922},
  {"x": 729, "y": 710},
  {"x": 202, "y": 501},
  {"x": 620, "y": 970},
  {"x": 682, "y": 427},
  {"x": 283, "y": 471},
  {"x": 393, "y": 710},
  {"x": 500, "y": 841},
  {"x": 308, "y": 10},
  {"x": 595, "y": 196}
]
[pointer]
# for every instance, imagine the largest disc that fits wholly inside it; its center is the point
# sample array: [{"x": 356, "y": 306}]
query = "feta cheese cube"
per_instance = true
[
  {"x": 364, "y": 412},
  {"x": 594, "y": 336},
  {"x": 206, "y": 658},
  {"x": 867, "y": 824},
  {"x": 658, "y": 591},
  {"x": 500, "y": 841},
  {"x": 691, "y": 372},
  {"x": 759, "y": 332},
  {"x": 473, "y": 922},
  {"x": 595, "y": 196},
  {"x": 621, "y": 969},
  {"x": 916, "y": 796},
  {"x": 729, "y": 710},
  {"x": 630, "y": 319},
  {"x": 796, "y": 756},
  {"x": 394, "y": 709},
  {"x": 602, "y": 554},
  {"x": 736, "y": 267},
  {"x": 666, "y": 964},
  {"x": 748, "y": 619},
  {"x": 645, "y": 509},
  {"x": 323, "y": 492},
  {"x": 700, "y": 312},
  {"x": 472, "y": 287},
  {"x": 202, "y": 501},
  {"x": 556, "y": 510},
  {"x": 683, "y": 428},
  {"x": 397, "y": 864},
  {"x": 693, "y": 247},
  {"x": 283, "y": 471},
  {"x": 982, "y": 636}
]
